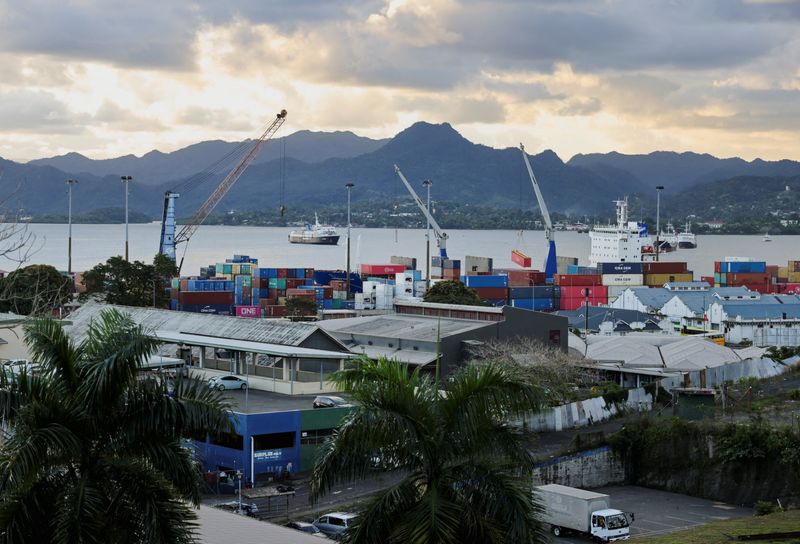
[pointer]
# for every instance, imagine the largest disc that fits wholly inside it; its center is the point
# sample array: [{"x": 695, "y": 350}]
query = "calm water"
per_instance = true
[{"x": 96, "y": 243}]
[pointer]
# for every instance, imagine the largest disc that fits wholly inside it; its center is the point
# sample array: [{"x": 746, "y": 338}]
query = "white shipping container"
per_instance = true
[{"x": 622, "y": 279}]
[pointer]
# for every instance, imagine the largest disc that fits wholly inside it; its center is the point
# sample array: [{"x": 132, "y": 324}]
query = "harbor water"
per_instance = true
[{"x": 92, "y": 244}]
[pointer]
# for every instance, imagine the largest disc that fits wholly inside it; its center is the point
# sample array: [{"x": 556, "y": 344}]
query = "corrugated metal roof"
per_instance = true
[
  {"x": 215, "y": 526},
  {"x": 761, "y": 311},
  {"x": 600, "y": 314},
  {"x": 407, "y": 356},
  {"x": 270, "y": 331},
  {"x": 277, "y": 350},
  {"x": 653, "y": 297},
  {"x": 688, "y": 285},
  {"x": 673, "y": 353},
  {"x": 405, "y": 327}
]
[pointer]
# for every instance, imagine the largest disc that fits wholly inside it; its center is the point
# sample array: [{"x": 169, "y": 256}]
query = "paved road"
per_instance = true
[{"x": 659, "y": 512}]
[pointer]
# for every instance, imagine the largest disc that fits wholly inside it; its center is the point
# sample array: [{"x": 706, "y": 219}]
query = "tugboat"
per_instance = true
[{"x": 322, "y": 235}]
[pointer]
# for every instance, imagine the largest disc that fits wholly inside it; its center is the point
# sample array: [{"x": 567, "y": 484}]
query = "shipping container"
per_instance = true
[
  {"x": 657, "y": 280},
  {"x": 577, "y": 279},
  {"x": 538, "y": 304},
  {"x": 485, "y": 281},
  {"x": 382, "y": 269},
  {"x": 664, "y": 267},
  {"x": 521, "y": 259},
  {"x": 486, "y": 293},
  {"x": 539, "y": 291},
  {"x": 248, "y": 311},
  {"x": 474, "y": 264},
  {"x": 622, "y": 279},
  {"x": 581, "y": 291},
  {"x": 739, "y": 267},
  {"x": 620, "y": 268},
  {"x": 206, "y": 297},
  {"x": 219, "y": 309},
  {"x": 575, "y": 269},
  {"x": 577, "y": 302}
]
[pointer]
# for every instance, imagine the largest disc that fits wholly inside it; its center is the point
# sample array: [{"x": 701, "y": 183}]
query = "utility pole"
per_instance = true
[
  {"x": 70, "y": 183},
  {"x": 659, "y": 188},
  {"x": 427, "y": 183},
  {"x": 586, "y": 321},
  {"x": 349, "y": 186},
  {"x": 126, "y": 180}
]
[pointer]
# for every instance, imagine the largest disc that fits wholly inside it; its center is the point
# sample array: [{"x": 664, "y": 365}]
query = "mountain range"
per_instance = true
[{"x": 310, "y": 168}]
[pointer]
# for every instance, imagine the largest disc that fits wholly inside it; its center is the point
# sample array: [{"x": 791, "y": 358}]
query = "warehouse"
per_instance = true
[{"x": 773, "y": 322}]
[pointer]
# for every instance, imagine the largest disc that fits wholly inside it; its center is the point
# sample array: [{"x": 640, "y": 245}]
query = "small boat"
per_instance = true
[
  {"x": 766, "y": 238},
  {"x": 317, "y": 234}
]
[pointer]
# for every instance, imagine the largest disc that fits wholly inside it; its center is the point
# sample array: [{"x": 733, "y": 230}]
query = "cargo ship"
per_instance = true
[
  {"x": 627, "y": 241},
  {"x": 323, "y": 235},
  {"x": 686, "y": 238}
]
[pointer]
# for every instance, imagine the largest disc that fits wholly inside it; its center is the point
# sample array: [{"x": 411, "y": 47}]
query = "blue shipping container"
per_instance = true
[
  {"x": 621, "y": 268},
  {"x": 485, "y": 281},
  {"x": 220, "y": 309}
]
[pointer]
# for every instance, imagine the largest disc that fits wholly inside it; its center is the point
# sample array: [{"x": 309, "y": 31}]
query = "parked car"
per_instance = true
[
  {"x": 335, "y": 523},
  {"x": 328, "y": 401},
  {"x": 306, "y": 527},
  {"x": 248, "y": 509},
  {"x": 227, "y": 382}
]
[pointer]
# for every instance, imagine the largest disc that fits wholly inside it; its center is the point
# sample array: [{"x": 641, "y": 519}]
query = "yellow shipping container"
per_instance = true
[
  {"x": 657, "y": 280},
  {"x": 794, "y": 277},
  {"x": 783, "y": 271}
]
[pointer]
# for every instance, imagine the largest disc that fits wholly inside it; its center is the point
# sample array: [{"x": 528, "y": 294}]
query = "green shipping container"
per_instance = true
[
  {"x": 277, "y": 283},
  {"x": 176, "y": 283},
  {"x": 227, "y": 268}
]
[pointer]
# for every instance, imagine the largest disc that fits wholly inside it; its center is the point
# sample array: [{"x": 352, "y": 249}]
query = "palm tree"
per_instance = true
[
  {"x": 465, "y": 475},
  {"x": 93, "y": 452}
]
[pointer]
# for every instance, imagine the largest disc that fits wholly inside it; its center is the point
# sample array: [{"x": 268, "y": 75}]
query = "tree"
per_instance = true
[
  {"x": 135, "y": 283},
  {"x": 300, "y": 306},
  {"x": 452, "y": 292},
  {"x": 34, "y": 290},
  {"x": 465, "y": 475},
  {"x": 93, "y": 452}
]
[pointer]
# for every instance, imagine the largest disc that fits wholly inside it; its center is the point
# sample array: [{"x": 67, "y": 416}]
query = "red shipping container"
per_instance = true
[
  {"x": 575, "y": 303},
  {"x": 717, "y": 267},
  {"x": 764, "y": 288},
  {"x": 266, "y": 302},
  {"x": 276, "y": 311},
  {"x": 248, "y": 311},
  {"x": 311, "y": 293},
  {"x": 451, "y": 273},
  {"x": 206, "y": 297},
  {"x": 382, "y": 269},
  {"x": 487, "y": 293},
  {"x": 746, "y": 278},
  {"x": 520, "y": 258},
  {"x": 283, "y": 273},
  {"x": 663, "y": 267},
  {"x": 577, "y": 279},
  {"x": 577, "y": 291},
  {"x": 708, "y": 279},
  {"x": 524, "y": 278},
  {"x": 327, "y": 291}
]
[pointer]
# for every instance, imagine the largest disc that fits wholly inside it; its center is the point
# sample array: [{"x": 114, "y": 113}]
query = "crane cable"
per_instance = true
[
  {"x": 521, "y": 212},
  {"x": 282, "y": 152}
]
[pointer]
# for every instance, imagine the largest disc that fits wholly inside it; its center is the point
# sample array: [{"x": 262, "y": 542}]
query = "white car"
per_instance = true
[
  {"x": 227, "y": 382},
  {"x": 335, "y": 523}
]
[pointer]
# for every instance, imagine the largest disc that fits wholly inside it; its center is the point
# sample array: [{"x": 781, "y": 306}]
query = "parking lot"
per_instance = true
[{"x": 659, "y": 512}]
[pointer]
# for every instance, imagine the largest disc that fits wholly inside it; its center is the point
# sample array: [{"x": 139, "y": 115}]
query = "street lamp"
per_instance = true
[
  {"x": 427, "y": 183},
  {"x": 70, "y": 183},
  {"x": 349, "y": 186},
  {"x": 126, "y": 180},
  {"x": 659, "y": 188},
  {"x": 239, "y": 475}
]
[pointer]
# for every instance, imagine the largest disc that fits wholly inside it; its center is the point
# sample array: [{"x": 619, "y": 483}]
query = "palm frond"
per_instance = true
[{"x": 50, "y": 346}]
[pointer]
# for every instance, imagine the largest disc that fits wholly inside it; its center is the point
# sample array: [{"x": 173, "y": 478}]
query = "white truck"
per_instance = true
[{"x": 581, "y": 511}]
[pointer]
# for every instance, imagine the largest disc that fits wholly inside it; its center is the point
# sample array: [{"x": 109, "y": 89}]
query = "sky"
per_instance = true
[{"x": 111, "y": 77}]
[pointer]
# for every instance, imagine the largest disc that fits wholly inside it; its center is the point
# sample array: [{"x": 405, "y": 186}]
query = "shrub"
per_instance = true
[{"x": 765, "y": 508}]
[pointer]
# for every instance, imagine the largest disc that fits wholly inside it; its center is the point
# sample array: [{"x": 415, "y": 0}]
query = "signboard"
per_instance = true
[
  {"x": 267, "y": 455},
  {"x": 248, "y": 311}
]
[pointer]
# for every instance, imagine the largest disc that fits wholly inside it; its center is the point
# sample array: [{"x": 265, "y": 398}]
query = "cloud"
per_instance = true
[{"x": 35, "y": 111}]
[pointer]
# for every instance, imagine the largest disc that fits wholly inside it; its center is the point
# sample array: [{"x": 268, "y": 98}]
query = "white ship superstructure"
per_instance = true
[{"x": 624, "y": 242}]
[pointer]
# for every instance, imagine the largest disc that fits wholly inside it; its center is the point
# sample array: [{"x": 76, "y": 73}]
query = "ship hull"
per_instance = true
[
  {"x": 687, "y": 245},
  {"x": 315, "y": 240}
]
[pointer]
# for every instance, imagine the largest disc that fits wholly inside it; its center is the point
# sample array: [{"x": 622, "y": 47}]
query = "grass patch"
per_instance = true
[{"x": 720, "y": 532}]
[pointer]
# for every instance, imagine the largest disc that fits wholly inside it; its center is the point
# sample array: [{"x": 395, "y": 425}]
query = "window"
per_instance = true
[
  {"x": 314, "y": 436},
  {"x": 336, "y": 521},
  {"x": 228, "y": 440},
  {"x": 273, "y": 441}
]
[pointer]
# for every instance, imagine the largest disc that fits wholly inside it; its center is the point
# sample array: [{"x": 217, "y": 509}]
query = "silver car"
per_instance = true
[
  {"x": 335, "y": 523},
  {"x": 227, "y": 382}
]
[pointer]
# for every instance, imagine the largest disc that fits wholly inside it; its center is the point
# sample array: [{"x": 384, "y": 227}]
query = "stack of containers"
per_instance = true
[
  {"x": 658, "y": 273},
  {"x": 542, "y": 298},
  {"x": 377, "y": 295},
  {"x": 575, "y": 288},
  {"x": 436, "y": 267},
  {"x": 213, "y": 296},
  {"x": 409, "y": 262},
  {"x": 407, "y": 284},
  {"x": 477, "y": 265},
  {"x": 243, "y": 285},
  {"x": 620, "y": 276},
  {"x": 451, "y": 269},
  {"x": 493, "y": 289},
  {"x": 736, "y": 272}
]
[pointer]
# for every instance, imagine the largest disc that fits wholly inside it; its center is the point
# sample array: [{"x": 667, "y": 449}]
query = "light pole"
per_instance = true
[
  {"x": 349, "y": 186},
  {"x": 239, "y": 475},
  {"x": 427, "y": 183},
  {"x": 126, "y": 180},
  {"x": 70, "y": 183},
  {"x": 659, "y": 188}
]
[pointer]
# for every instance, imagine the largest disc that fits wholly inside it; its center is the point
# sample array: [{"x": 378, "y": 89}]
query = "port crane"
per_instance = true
[
  {"x": 169, "y": 240},
  {"x": 551, "y": 264},
  {"x": 441, "y": 236}
]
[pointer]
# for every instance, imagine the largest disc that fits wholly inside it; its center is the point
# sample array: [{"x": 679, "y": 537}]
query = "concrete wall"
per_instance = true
[
  {"x": 593, "y": 468},
  {"x": 584, "y": 413}
]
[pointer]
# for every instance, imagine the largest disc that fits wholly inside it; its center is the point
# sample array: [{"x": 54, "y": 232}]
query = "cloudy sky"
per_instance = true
[{"x": 111, "y": 77}]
